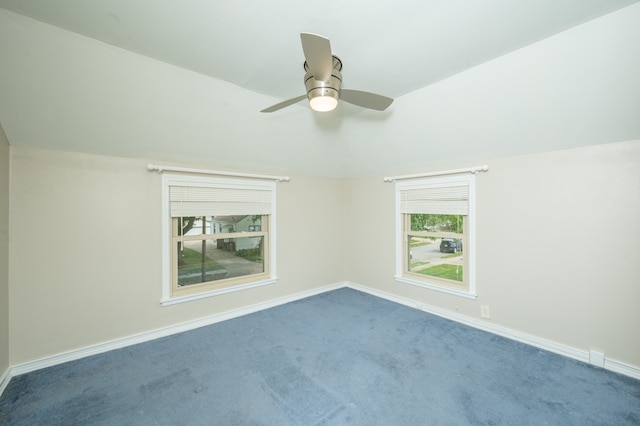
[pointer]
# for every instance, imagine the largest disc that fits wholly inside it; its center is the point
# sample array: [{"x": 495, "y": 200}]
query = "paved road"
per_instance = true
[
  {"x": 426, "y": 252},
  {"x": 431, "y": 253}
]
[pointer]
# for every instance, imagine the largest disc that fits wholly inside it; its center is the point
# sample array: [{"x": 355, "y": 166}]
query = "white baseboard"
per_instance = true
[
  {"x": 554, "y": 347},
  {"x": 622, "y": 368},
  {"x": 73, "y": 355},
  {"x": 580, "y": 355}
]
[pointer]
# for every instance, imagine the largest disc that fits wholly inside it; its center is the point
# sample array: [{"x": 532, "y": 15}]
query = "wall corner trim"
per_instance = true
[{"x": 4, "y": 380}]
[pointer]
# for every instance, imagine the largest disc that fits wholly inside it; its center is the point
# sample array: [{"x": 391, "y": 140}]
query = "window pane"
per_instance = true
[
  {"x": 219, "y": 237},
  {"x": 219, "y": 224},
  {"x": 216, "y": 259},
  {"x": 436, "y": 257},
  {"x": 437, "y": 222},
  {"x": 435, "y": 233}
]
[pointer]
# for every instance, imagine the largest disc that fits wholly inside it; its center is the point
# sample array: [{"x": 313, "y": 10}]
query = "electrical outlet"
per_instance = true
[{"x": 484, "y": 311}]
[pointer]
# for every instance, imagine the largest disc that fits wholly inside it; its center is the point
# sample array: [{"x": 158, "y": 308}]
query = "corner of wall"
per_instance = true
[{"x": 4, "y": 259}]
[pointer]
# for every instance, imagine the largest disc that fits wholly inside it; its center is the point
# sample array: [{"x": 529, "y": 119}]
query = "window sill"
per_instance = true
[
  {"x": 216, "y": 292},
  {"x": 442, "y": 289}
]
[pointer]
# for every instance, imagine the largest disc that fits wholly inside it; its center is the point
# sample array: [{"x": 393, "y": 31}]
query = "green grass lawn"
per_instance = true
[
  {"x": 193, "y": 265},
  {"x": 250, "y": 254},
  {"x": 458, "y": 254},
  {"x": 450, "y": 272},
  {"x": 415, "y": 242}
]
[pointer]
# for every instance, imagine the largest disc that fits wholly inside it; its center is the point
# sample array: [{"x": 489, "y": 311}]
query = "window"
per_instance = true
[
  {"x": 218, "y": 236},
  {"x": 435, "y": 233}
]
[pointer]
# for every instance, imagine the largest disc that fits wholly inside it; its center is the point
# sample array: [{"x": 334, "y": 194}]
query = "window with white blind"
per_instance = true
[
  {"x": 218, "y": 235},
  {"x": 435, "y": 233}
]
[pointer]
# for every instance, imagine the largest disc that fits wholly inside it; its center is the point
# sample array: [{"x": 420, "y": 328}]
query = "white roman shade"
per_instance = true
[
  {"x": 187, "y": 200},
  {"x": 443, "y": 198}
]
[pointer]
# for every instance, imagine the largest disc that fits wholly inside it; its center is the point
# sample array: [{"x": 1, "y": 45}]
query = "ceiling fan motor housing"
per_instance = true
[{"x": 328, "y": 87}]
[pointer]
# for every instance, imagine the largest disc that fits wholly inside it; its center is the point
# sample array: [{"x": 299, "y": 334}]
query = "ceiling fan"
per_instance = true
[{"x": 323, "y": 80}]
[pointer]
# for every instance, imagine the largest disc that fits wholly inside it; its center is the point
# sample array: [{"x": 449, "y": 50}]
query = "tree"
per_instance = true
[
  {"x": 186, "y": 224},
  {"x": 203, "y": 269}
]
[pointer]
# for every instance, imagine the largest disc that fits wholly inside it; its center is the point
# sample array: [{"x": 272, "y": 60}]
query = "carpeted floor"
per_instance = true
[{"x": 340, "y": 358}]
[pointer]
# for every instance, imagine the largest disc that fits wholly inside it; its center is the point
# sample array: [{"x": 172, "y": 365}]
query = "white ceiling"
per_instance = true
[
  {"x": 63, "y": 92},
  {"x": 387, "y": 47}
]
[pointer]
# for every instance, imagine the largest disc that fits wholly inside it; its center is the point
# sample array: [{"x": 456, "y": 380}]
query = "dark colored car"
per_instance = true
[{"x": 449, "y": 245}]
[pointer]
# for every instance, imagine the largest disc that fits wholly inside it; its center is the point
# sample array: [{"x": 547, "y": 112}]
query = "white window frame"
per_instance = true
[
  {"x": 169, "y": 180},
  {"x": 469, "y": 249}
]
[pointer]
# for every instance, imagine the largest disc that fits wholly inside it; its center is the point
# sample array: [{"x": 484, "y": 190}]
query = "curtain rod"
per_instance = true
[
  {"x": 160, "y": 169},
  {"x": 475, "y": 170}
]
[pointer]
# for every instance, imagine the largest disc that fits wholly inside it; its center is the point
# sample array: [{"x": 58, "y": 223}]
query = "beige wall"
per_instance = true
[
  {"x": 4, "y": 252},
  {"x": 558, "y": 239},
  {"x": 86, "y": 256}
]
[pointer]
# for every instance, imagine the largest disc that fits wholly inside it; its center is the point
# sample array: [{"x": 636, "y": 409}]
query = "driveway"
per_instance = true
[{"x": 236, "y": 266}]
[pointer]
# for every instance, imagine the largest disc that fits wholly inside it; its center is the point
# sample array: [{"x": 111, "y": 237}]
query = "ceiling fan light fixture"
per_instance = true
[
  {"x": 324, "y": 103},
  {"x": 322, "y": 97}
]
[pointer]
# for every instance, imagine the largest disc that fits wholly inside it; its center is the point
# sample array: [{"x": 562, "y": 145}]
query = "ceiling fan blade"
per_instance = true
[
  {"x": 365, "y": 99},
  {"x": 317, "y": 53},
  {"x": 284, "y": 104}
]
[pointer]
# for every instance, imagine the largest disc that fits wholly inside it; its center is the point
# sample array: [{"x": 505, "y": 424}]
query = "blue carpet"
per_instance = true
[{"x": 340, "y": 358}]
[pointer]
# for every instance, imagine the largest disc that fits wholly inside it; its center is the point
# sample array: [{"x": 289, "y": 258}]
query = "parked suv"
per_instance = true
[{"x": 449, "y": 245}]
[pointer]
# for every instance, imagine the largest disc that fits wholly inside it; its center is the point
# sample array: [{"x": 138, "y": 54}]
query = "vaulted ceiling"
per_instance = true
[{"x": 393, "y": 48}]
